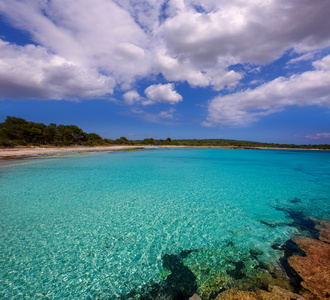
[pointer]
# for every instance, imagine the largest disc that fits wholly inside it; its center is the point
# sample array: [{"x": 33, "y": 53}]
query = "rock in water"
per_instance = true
[
  {"x": 273, "y": 293},
  {"x": 324, "y": 228},
  {"x": 314, "y": 268}
]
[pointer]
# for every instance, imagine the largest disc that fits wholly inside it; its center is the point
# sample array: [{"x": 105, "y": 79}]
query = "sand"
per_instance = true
[
  {"x": 48, "y": 151},
  {"x": 33, "y": 152}
]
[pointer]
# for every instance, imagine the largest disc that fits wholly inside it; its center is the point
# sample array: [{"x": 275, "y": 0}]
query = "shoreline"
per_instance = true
[
  {"x": 19, "y": 153},
  {"x": 37, "y": 152}
]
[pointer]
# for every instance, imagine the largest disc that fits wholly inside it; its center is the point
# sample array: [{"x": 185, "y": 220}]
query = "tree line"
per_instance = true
[{"x": 19, "y": 132}]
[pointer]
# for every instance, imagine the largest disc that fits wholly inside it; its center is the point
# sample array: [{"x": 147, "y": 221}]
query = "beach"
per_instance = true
[{"x": 33, "y": 152}]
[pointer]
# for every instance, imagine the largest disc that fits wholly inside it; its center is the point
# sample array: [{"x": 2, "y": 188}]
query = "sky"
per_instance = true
[{"x": 255, "y": 70}]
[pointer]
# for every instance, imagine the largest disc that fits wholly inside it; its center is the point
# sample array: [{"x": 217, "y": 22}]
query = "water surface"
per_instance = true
[{"x": 100, "y": 226}]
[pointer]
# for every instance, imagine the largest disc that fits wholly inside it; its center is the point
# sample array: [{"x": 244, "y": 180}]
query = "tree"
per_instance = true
[
  {"x": 122, "y": 141},
  {"x": 149, "y": 141}
]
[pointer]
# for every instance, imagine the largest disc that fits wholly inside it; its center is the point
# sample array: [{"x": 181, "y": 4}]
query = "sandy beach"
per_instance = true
[{"x": 33, "y": 152}]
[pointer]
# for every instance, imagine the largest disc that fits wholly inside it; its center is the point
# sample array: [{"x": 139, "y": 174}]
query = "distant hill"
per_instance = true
[{"x": 19, "y": 132}]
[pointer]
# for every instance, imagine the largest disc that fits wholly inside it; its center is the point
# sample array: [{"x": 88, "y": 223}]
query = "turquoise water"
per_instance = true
[{"x": 100, "y": 226}]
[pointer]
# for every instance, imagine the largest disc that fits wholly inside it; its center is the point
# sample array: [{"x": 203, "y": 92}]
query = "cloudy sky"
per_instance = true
[{"x": 242, "y": 69}]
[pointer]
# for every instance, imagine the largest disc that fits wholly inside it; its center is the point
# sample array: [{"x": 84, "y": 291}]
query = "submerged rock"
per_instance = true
[
  {"x": 229, "y": 272},
  {"x": 273, "y": 293},
  {"x": 307, "y": 260},
  {"x": 230, "y": 267}
]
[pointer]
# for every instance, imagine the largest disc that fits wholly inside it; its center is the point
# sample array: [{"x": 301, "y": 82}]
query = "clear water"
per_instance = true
[{"x": 98, "y": 226}]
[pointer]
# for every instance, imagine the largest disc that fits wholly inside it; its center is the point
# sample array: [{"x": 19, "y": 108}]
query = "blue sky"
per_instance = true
[{"x": 248, "y": 70}]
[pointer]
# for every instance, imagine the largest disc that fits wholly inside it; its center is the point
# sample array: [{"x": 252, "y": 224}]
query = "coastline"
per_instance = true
[
  {"x": 35, "y": 152},
  {"x": 18, "y": 153}
]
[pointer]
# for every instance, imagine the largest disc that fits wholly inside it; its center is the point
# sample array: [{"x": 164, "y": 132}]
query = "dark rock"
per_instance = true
[
  {"x": 237, "y": 272},
  {"x": 295, "y": 200},
  {"x": 255, "y": 253}
]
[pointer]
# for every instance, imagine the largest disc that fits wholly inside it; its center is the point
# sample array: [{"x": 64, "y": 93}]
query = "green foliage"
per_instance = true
[
  {"x": 16, "y": 131},
  {"x": 223, "y": 143},
  {"x": 122, "y": 141},
  {"x": 149, "y": 141}
]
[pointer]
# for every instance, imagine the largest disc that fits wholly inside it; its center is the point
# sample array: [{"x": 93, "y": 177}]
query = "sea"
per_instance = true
[{"x": 156, "y": 224}]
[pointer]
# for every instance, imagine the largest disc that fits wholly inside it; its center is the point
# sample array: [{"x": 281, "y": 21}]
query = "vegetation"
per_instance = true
[
  {"x": 16, "y": 131},
  {"x": 19, "y": 132}
]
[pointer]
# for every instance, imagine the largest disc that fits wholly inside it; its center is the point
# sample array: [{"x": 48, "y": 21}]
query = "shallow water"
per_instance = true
[{"x": 104, "y": 225}]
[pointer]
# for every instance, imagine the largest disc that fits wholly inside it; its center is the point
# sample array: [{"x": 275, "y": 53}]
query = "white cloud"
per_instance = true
[
  {"x": 161, "y": 93},
  {"x": 218, "y": 34},
  {"x": 131, "y": 97},
  {"x": 176, "y": 70},
  {"x": 98, "y": 35},
  {"x": 222, "y": 79},
  {"x": 32, "y": 72},
  {"x": 309, "y": 88},
  {"x": 323, "y": 64},
  {"x": 158, "y": 93},
  {"x": 87, "y": 48},
  {"x": 248, "y": 31},
  {"x": 318, "y": 136}
]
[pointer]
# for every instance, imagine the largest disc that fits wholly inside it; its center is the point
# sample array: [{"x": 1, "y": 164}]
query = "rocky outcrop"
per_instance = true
[
  {"x": 324, "y": 228},
  {"x": 273, "y": 293},
  {"x": 314, "y": 268}
]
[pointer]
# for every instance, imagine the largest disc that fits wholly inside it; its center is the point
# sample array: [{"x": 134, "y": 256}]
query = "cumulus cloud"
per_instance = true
[
  {"x": 246, "y": 31},
  {"x": 98, "y": 35},
  {"x": 131, "y": 97},
  {"x": 32, "y": 72},
  {"x": 161, "y": 93},
  {"x": 176, "y": 70},
  {"x": 85, "y": 49},
  {"x": 212, "y": 35},
  {"x": 157, "y": 93},
  {"x": 308, "y": 88},
  {"x": 223, "y": 79}
]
